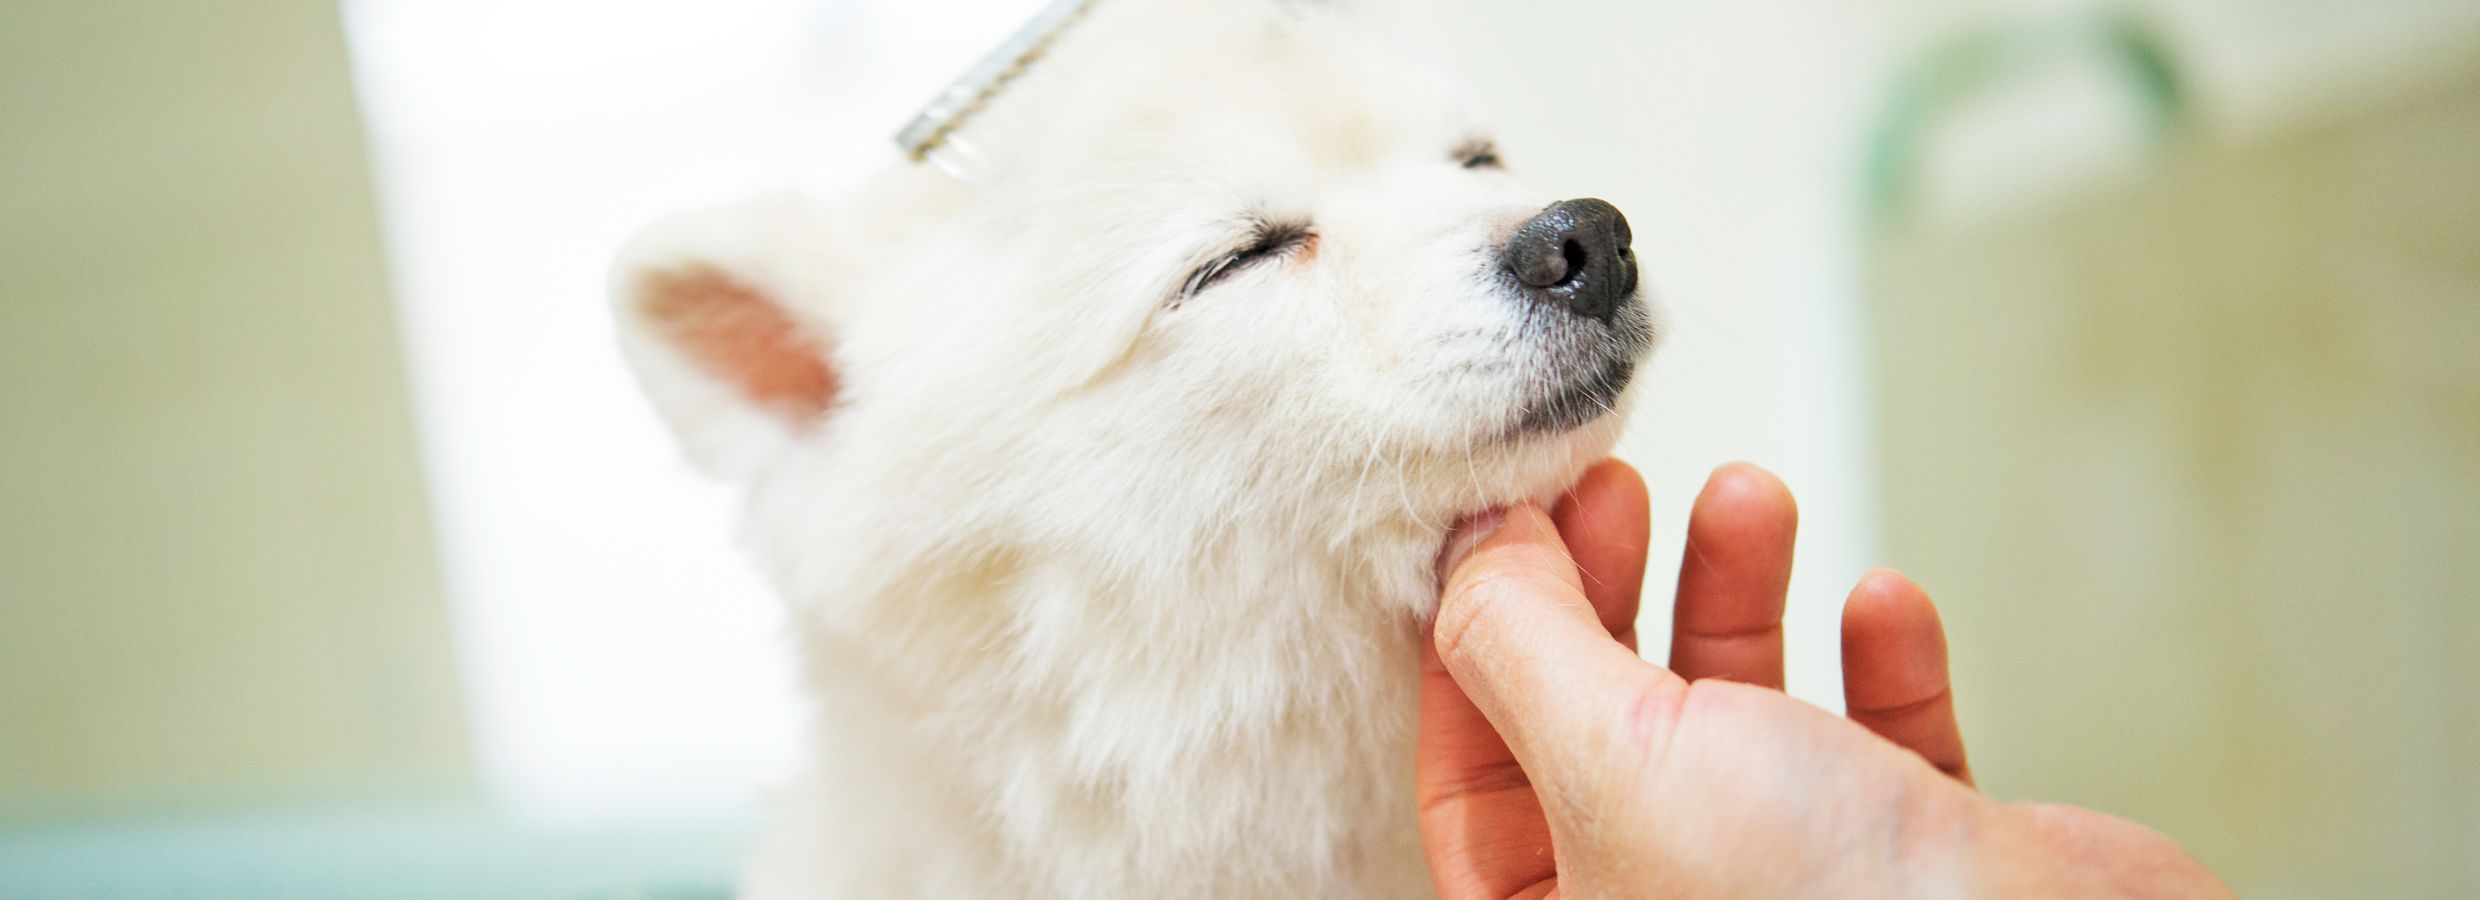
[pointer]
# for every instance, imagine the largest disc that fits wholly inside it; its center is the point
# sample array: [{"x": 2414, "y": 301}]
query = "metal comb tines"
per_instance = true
[{"x": 970, "y": 93}]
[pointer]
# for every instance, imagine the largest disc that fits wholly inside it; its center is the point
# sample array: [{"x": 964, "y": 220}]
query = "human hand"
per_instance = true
[{"x": 1553, "y": 761}]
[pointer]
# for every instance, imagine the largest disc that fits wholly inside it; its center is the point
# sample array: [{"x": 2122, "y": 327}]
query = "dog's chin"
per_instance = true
[{"x": 1577, "y": 403}]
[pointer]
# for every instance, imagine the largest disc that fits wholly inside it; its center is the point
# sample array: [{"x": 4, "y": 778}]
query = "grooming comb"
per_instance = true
[{"x": 935, "y": 128}]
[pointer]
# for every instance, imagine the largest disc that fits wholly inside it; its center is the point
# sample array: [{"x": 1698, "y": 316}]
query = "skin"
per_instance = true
[{"x": 1554, "y": 761}]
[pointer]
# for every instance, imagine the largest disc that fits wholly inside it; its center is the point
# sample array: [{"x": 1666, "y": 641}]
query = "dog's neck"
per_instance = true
[{"x": 1067, "y": 692}]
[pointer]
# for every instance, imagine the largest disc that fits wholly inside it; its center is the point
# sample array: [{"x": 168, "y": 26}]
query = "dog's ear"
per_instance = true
[{"x": 722, "y": 314}]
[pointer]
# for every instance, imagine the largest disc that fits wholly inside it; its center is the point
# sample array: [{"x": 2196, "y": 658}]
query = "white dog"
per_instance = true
[{"x": 1107, "y": 487}]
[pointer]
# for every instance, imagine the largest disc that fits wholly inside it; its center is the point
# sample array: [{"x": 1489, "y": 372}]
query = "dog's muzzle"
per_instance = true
[
  {"x": 1575, "y": 264},
  {"x": 1577, "y": 256}
]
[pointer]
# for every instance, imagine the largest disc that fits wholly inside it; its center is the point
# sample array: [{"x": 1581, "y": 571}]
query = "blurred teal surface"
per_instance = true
[{"x": 404, "y": 854}]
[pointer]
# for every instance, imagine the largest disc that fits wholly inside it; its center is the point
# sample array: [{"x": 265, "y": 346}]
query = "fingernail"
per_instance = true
[{"x": 1466, "y": 539}]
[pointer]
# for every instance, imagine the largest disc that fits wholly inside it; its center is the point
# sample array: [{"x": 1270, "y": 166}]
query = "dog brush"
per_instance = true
[{"x": 932, "y": 137}]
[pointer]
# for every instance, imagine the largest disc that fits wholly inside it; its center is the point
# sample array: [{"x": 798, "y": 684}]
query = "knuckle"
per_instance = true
[{"x": 1654, "y": 714}]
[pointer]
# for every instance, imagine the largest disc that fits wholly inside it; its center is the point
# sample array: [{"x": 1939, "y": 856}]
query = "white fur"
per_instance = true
[{"x": 1101, "y": 595}]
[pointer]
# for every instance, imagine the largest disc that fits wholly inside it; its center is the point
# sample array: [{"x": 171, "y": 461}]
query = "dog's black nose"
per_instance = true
[{"x": 1577, "y": 255}]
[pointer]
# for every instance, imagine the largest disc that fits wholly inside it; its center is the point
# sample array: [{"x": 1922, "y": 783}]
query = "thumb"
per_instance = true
[{"x": 1519, "y": 635}]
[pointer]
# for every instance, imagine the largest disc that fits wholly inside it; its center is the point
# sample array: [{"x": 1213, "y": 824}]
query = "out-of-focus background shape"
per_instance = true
[
  {"x": 338, "y": 558},
  {"x": 2197, "y": 456},
  {"x": 216, "y": 572}
]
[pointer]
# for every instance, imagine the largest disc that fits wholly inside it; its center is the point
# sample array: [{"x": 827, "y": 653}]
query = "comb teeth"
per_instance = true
[{"x": 938, "y": 121}]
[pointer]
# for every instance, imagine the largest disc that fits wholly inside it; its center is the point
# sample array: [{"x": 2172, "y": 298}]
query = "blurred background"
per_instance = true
[{"x": 339, "y": 559}]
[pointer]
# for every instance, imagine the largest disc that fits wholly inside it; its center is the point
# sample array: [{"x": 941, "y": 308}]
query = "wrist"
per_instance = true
[{"x": 2047, "y": 850}]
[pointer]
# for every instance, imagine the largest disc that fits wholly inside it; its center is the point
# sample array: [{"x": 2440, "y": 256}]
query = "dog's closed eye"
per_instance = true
[
  {"x": 1479, "y": 153},
  {"x": 1272, "y": 241}
]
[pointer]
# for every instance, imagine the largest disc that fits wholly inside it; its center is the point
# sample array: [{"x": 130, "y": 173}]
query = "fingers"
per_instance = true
[
  {"x": 1606, "y": 524},
  {"x": 1894, "y": 670},
  {"x": 1482, "y": 825},
  {"x": 1524, "y": 642},
  {"x": 1517, "y": 632},
  {"x": 1732, "y": 581}
]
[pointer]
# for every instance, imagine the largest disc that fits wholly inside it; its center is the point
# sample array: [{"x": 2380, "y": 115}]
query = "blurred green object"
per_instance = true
[
  {"x": 2192, "y": 458},
  {"x": 1977, "y": 62},
  {"x": 217, "y": 590},
  {"x": 217, "y": 585},
  {"x": 403, "y": 854}
]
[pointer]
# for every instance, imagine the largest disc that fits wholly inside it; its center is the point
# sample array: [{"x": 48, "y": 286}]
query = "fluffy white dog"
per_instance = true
[{"x": 1107, "y": 487}]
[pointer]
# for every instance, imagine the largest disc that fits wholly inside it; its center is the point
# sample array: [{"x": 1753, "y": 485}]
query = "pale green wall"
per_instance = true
[
  {"x": 215, "y": 574},
  {"x": 2193, "y": 465}
]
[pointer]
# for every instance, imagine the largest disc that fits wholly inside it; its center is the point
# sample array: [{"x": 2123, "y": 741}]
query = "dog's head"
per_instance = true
[{"x": 1214, "y": 268}]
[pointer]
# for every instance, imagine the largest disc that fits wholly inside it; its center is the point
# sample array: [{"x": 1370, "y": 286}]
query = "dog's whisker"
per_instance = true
[
  {"x": 1403, "y": 492},
  {"x": 1369, "y": 459},
  {"x": 1472, "y": 471}
]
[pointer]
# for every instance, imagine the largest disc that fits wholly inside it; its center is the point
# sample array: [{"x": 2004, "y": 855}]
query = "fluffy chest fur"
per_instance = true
[{"x": 1236, "y": 727}]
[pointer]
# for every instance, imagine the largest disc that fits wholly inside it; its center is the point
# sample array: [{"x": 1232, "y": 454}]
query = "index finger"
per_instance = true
[{"x": 1606, "y": 522}]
